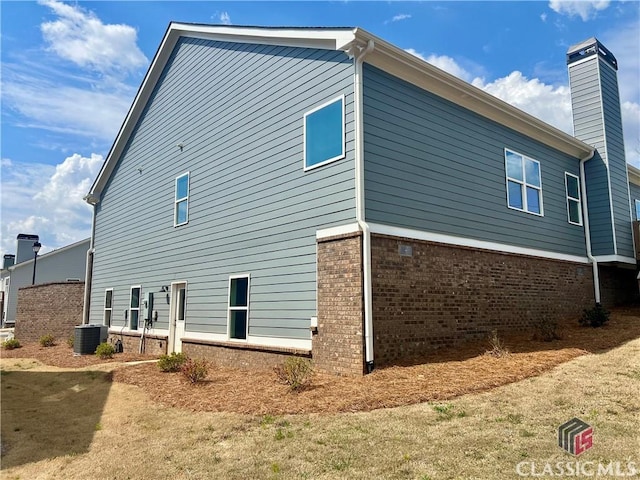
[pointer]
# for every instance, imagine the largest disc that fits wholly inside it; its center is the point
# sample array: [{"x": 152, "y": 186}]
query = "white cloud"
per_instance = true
[
  {"x": 225, "y": 19},
  {"x": 543, "y": 17},
  {"x": 445, "y": 63},
  {"x": 584, "y": 9},
  {"x": 80, "y": 37},
  {"x": 47, "y": 200}
]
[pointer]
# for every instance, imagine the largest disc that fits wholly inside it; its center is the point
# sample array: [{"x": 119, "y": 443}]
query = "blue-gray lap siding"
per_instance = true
[
  {"x": 597, "y": 121},
  {"x": 237, "y": 109},
  {"x": 433, "y": 166}
]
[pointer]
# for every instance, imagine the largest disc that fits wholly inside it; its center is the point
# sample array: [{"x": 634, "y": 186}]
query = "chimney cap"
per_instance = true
[
  {"x": 27, "y": 236},
  {"x": 589, "y": 47}
]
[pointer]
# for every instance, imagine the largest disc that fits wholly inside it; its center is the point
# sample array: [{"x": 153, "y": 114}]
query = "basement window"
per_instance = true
[
  {"x": 181, "y": 209},
  {"x": 524, "y": 183},
  {"x": 108, "y": 306},
  {"x": 574, "y": 207},
  {"x": 238, "y": 307},
  {"x": 324, "y": 136}
]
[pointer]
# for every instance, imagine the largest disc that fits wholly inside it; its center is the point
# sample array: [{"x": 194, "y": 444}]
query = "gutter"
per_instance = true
[
  {"x": 587, "y": 231},
  {"x": 93, "y": 201},
  {"x": 358, "y": 52}
]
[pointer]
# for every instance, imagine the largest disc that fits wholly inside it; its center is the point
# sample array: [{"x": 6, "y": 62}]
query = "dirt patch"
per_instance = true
[{"x": 439, "y": 375}]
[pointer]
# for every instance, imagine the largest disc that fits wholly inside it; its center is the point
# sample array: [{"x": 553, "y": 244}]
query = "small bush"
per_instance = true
[
  {"x": 497, "y": 347},
  {"x": 172, "y": 362},
  {"x": 11, "y": 344},
  {"x": 295, "y": 372},
  {"x": 195, "y": 370},
  {"x": 105, "y": 350},
  {"x": 46, "y": 341},
  {"x": 546, "y": 330},
  {"x": 70, "y": 341},
  {"x": 595, "y": 317}
]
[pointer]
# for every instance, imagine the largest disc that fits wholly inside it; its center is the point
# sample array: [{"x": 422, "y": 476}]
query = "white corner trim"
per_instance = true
[
  {"x": 472, "y": 243},
  {"x": 336, "y": 231},
  {"x": 615, "y": 258}
]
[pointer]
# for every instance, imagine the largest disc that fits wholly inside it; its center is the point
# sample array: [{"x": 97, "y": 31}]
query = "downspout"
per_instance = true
[
  {"x": 587, "y": 232},
  {"x": 359, "y": 53},
  {"x": 93, "y": 201}
]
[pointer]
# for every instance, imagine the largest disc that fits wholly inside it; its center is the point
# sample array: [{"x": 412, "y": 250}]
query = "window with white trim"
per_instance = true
[
  {"x": 574, "y": 206},
  {"x": 238, "y": 307},
  {"x": 524, "y": 183},
  {"x": 134, "y": 308},
  {"x": 108, "y": 306},
  {"x": 637, "y": 202},
  {"x": 181, "y": 209},
  {"x": 324, "y": 135}
]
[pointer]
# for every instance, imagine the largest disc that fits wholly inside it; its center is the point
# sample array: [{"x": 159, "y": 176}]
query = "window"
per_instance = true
[
  {"x": 108, "y": 306},
  {"x": 134, "y": 308},
  {"x": 637, "y": 202},
  {"x": 324, "y": 134},
  {"x": 524, "y": 184},
  {"x": 182, "y": 303},
  {"x": 238, "y": 306},
  {"x": 181, "y": 214},
  {"x": 574, "y": 207}
]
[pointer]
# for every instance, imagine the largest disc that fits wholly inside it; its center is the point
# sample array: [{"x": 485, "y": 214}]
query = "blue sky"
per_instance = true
[{"x": 70, "y": 72}]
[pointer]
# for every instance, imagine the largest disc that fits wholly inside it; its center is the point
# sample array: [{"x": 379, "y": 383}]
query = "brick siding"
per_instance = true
[
  {"x": 338, "y": 347},
  {"x": 442, "y": 295},
  {"x": 618, "y": 286},
  {"x": 49, "y": 309},
  {"x": 153, "y": 344}
]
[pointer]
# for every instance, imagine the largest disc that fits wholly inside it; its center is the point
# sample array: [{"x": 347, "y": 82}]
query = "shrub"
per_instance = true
[
  {"x": 195, "y": 370},
  {"x": 497, "y": 347},
  {"x": 295, "y": 372},
  {"x": 70, "y": 341},
  {"x": 172, "y": 362},
  {"x": 546, "y": 330},
  {"x": 46, "y": 341},
  {"x": 594, "y": 317},
  {"x": 105, "y": 350},
  {"x": 11, "y": 344}
]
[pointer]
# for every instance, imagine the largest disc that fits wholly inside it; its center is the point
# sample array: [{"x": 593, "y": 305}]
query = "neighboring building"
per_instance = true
[
  {"x": 61, "y": 265},
  {"x": 322, "y": 192}
]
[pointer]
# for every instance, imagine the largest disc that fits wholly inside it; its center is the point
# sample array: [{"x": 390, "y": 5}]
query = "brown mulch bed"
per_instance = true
[{"x": 438, "y": 376}]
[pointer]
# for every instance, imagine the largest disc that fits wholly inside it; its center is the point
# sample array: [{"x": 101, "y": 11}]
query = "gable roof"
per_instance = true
[{"x": 384, "y": 55}]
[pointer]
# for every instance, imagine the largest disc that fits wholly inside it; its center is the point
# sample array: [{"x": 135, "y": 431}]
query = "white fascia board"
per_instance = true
[
  {"x": 472, "y": 243},
  {"x": 634, "y": 174},
  {"x": 408, "y": 67},
  {"x": 338, "y": 231},
  {"x": 615, "y": 259}
]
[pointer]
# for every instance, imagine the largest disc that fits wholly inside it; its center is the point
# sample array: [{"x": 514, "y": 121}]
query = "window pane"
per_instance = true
[
  {"x": 107, "y": 318},
  {"x": 572, "y": 187},
  {"x": 532, "y": 172},
  {"x": 637, "y": 209},
  {"x": 533, "y": 200},
  {"x": 324, "y": 137},
  {"x": 108, "y": 298},
  {"x": 238, "y": 327},
  {"x": 181, "y": 211},
  {"x": 238, "y": 294},
  {"x": 515, "y": 195},
  {"x": 514, "y": 166},
  {"x": 135, "y": 297},
  {"x": 182, "y": 187},
  {"x": 181, "y": 303},
  {"x": 574, "y": 211},
  {"x": 134, "y": 319}
]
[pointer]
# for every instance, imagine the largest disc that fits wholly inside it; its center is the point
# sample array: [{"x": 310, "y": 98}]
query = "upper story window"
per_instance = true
[
  {"x": 181, "y": 210},
  {"x": 637, "y": 203},
  {"x": 574, "y": 207},
  {"x": 324, "y": 136},
  {"x": 524, "y": 183}
]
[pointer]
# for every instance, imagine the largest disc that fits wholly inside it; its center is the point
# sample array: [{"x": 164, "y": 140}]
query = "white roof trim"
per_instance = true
[
  {"x": 634, "y": 174},
  {"x": 384, "y": 56}
]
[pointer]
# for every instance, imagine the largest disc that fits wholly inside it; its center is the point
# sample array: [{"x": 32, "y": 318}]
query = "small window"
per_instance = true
[
  {"x": 134, "y": 308},
  {"x": 574, "y": 207},
  {"x": 324, "y": 134},
  {"x": 182, "y": 303},
  {"x": 108, "y": 306},
  {"x": 181, "y": 214},
  {"x": 238, "y": 307},
  {"x": 637, "y": 202},
  {"x": 524, "y": 183}
]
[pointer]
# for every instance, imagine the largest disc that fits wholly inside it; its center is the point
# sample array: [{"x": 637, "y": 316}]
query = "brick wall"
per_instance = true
[
  {"x": 153, "y": 344},
  {"x": 442, "y": 295},
  {"x": 338, "y": 347},
  {"x": 49, "y": 309},
  {"x": 618, "y": 286}
]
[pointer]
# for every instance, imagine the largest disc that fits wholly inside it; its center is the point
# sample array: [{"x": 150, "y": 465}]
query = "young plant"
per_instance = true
[
  {"x": 497, "y": 347},
  {"x": 11, "y": 344},
  {"x": 594, "y": 317},
  {"x": 195, "y": 370},
  {"x": 47, "y": 341},
  {"x": 70, "y": 341},
  {"x": 295, "y": 372},
  {"x": 172, "y": 362},
  {"x": 546, "y": 330},
  {"x": 105, "y": 350}
]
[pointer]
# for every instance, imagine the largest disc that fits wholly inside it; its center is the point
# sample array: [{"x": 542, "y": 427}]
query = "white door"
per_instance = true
[{"x": 178, "y": 309}]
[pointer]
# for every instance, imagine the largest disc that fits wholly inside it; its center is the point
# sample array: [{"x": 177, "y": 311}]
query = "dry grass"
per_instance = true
[{"x": 483, "y": 415}]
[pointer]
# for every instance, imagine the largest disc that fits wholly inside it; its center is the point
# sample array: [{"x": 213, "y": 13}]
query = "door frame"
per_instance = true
[{"x": 176, "y": 327}]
